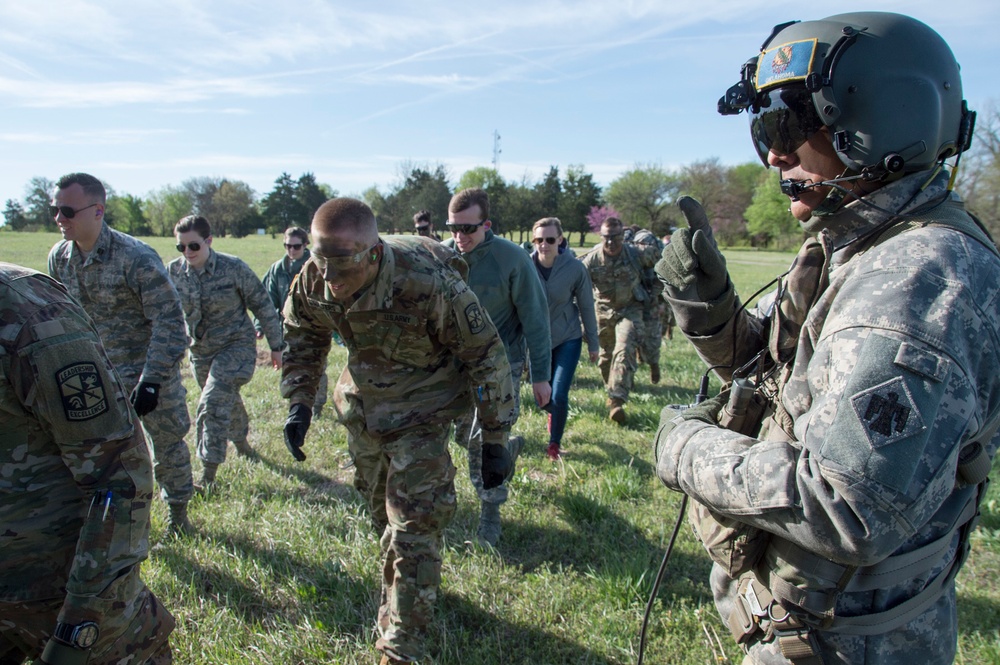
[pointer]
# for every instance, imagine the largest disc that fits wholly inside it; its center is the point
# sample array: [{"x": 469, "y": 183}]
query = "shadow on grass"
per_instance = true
[
  {"x": 469, "y": 634},
  {"x": 978, "y": 616}
]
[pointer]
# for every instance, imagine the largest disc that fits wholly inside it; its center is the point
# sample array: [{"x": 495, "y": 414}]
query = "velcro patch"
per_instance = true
[
  {"x": 786, "y": 63},
  {"x": 475, "y": 318},
  {"x": 887, "y": 413},
  {"x": 82, "y": 391}
]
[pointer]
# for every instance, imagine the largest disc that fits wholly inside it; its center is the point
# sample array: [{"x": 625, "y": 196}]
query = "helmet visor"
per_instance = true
[{"x": 784, "y": 120}]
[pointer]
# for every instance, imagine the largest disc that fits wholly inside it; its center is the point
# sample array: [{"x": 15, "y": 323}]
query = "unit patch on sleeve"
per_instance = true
[
  {"x": 474, "y": 317},
  {"x": 82, "y": 391},
  {"x": 887, "y": 413}
]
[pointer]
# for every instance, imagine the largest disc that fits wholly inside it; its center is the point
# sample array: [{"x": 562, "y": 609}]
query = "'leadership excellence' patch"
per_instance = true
[{"x": 82, "y": 391}]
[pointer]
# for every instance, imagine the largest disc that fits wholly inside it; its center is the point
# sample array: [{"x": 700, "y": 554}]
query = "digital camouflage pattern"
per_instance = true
[
  {"x": 416, "y": 339},
  {"x": 277, "y": 282},
  {"x": 651, "y": 334},
  {"x": 897, "y": 367},
  {"x": 618, "y": 287},
  {"x": 123, "y": 286},
  {"x": 76, "y": 481},
  {"x": 223, "y": 343}
]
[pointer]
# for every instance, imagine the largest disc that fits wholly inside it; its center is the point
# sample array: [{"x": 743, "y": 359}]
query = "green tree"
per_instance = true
[
  {"x": 521, "y": 207},
  {"x": 487, "y": 178},
  {"x": 421, "y": 188},
  {"x": 165, "y": 207},
  {"x": 38, "y": 198},
  {"x": 644, "y": 195},
  {"x": 548, "y": 194},
  {"x": 202, "y": 191},
  {"x": 311, "y": 195},
  {"x": 125, "y": 214},
  {"x": 579, "y": 194},
  {"x": 13, "y": 215},
  {"x": 379, "y": 204},
  {"x": 233, "y": 204},
  {"x": 281, "y": 208},
  {"x": 768, "y": 221}
]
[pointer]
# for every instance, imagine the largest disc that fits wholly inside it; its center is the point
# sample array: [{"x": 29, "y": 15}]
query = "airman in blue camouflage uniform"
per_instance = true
[
  {"x": 416, "y": 336},
  {"x": 75, "y": 491},
  {"x": 838, "y": 525},
  {"x": 122, "y": 284},
  {"x": 215, "y": 291}
]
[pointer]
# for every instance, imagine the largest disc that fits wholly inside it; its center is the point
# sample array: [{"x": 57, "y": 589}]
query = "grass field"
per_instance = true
[{"x": 284, "y": 568}]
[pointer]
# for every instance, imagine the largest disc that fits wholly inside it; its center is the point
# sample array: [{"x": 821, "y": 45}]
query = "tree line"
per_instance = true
[{"x": 744, "y": 202}]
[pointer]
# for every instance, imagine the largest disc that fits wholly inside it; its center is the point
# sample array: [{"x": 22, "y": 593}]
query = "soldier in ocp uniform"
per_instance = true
[
  {"x": 216, "y": 290},
  {"x": 75, "y": 491},
  {"x": 122, "y": 284},
  {"x": 616, "y": 270},
  {"x": 837, "y": 527},
  {"x": 416, "y": 335}
]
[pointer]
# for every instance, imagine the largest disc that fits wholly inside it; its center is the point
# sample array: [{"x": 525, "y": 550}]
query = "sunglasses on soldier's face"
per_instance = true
[
  {"x": 193, "y": 246},
  {"x": 548, "y": 239},
  {"x": 293, "y": 245},
  {"x": 67, "y": 211},
  {"x": 467, "y": 229}
]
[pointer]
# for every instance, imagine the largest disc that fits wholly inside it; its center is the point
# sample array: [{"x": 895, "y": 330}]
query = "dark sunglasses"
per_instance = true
[
  {"x": 611, "y": 237},
  {"x": 193, "y": 246},
  {"x": 67, "y": 211},
  {"x": 467, "y": 229},
  {"x": 785, "y": 119},
  {"x": 423, "y": 230},
  {"x": 549, "y": 239},
  {"x": 296, "y": 245}
]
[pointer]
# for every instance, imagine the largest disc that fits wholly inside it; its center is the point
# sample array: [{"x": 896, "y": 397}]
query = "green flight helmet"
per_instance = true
[{"x": 886, "y": 86}]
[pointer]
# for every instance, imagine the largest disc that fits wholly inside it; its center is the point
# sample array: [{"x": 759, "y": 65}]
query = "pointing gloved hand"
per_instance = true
[
  {"x": 497, "y": 464},
  {"x": 145, "y": 397},
  {"x": 299, "y": 418},
  {"x": 668, "y": 456},
  {"x": 692, "y": 267}
]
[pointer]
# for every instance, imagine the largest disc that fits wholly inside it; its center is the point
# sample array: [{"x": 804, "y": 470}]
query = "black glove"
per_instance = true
[
  {"x": 691, "y": 267},
  {"x": 299, "y": 417},
  {"x": 57, "y": 653},
  {"x": 496, "y": 464},
  {"x": 145, "y": 397}
]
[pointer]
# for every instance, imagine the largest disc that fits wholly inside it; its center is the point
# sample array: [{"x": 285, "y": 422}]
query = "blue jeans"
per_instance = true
[{"x": 564, "y": 360}]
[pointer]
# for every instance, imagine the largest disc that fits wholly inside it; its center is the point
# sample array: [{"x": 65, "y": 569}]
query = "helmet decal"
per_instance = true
[{"x": 786, "y": 64}]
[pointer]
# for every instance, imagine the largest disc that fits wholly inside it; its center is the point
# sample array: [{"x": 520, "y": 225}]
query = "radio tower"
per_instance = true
[{"x": 496, "y": 150}]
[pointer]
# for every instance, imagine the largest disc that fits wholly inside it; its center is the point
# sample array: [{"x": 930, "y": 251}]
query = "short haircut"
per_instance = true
[
  {"x": 92, "y": 187},
  {"x": 548, "y": 221},
  {"x": 348, "y": 214},
  {"x": 467, "y": 198},
  {"x": 195, "y": 223},
  {"x": 612, "y": 223},
  {"x": 422, "y": 217},
  {"x": 297, "y": 232}
]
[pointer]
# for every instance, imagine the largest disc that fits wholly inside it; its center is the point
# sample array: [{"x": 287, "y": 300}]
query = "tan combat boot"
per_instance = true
[{"x": 616, "y": 410}]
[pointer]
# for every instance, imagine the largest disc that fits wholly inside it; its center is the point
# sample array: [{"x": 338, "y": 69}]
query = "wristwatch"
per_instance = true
[{"x": 81, "y": 636}]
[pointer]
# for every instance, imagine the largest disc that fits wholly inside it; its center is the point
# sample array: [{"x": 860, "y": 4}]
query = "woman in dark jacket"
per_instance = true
[{"x": 571, "y": 300}]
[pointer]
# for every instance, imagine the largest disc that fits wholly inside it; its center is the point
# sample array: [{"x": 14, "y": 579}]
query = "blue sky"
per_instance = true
[{"x": 145, "y": 94}]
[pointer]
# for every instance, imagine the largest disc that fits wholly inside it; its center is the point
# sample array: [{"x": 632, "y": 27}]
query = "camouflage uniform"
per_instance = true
[
  {"x": 124, "y": 287},
  {"x": 76, "y": 485},
  {"x": 277, "y": 281},
  {"x": 223, "y": 343},
  {"x": 507, "y": 285},
  {"x": 651, "y": 335},
  {"x": 895, "y": 371},
  {"x": 619, "y": 298},
  {"x": 415, "y": 338}
]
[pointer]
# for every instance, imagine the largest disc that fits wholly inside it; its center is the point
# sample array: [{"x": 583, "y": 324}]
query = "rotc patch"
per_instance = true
[
  {"x": 475, "y": 318},
  {"x": 82, "y": 391},
  {"x": 887, "y": 413}
]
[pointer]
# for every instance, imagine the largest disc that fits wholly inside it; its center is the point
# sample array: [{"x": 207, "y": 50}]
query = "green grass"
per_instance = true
[{"x": 284, "y": 569}]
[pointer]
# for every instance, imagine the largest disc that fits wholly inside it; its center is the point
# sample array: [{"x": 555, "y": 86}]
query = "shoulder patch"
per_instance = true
[
  {"x": 82, "y": 391},
  {"x": 887, "y": 413},
  {"x": 475, "y": 318}
]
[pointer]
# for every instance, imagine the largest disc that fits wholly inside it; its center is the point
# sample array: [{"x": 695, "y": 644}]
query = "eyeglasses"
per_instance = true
[
  {"x": 293, "y": 245},
  {"x": 342, "y": 263},
  {"x": 67, "y": 211},
  {"x": 785, "y": 119},
  {"x": 423, "y": 230},
  {"x": 193, "y": 246},
  {"x": 549, "y": 239},
  {"x": 467, "y": 229}
]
